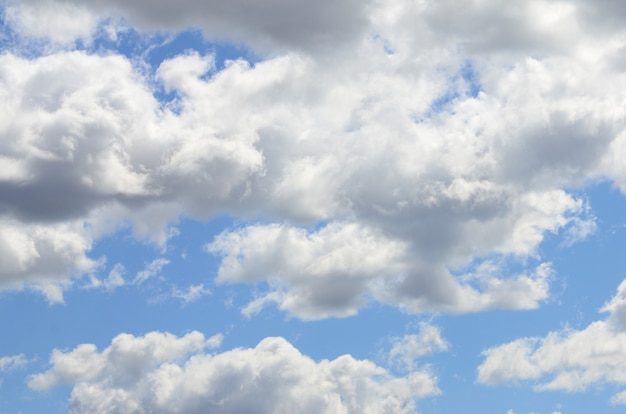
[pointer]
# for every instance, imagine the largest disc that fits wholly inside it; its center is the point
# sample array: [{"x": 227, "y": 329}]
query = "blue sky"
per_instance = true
[{"x": 320, "y": 207}]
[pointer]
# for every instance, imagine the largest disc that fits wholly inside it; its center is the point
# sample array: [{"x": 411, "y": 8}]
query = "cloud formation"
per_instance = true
[
  {"x": 359, "y": 136},
  {"x": 335, "y": 271},
  {"x": 570, "y": 360},
  {"x": 163, "y": 373}
]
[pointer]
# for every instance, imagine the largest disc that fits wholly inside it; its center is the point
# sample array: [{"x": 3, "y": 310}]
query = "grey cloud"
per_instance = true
[{"x": 267, "y": 26}]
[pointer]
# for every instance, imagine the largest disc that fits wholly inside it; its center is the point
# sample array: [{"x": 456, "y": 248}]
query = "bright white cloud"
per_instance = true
[
  {"x": 155, "y": 373},
  {"x": 125, "y": 361},
  {"x": 570, "y": 360},
  {"x": 43, "y": 257}
]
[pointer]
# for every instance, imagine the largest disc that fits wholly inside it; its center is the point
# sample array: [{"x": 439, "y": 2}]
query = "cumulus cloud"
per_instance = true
[
  {"x": 125, "y": 361},
  {"x": 342, "y": 255},
  {"x": 163, "y": 373},
  {"x": 335, "y": 270},
  {"x": 570, "y": 360},
  {"x": 424, "y": 146},
  {"x": 43, "y": 257}
]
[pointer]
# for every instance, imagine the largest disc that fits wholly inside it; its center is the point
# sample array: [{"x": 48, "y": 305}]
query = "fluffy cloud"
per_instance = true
[
  {"x": 125, "y": 361},
  {"x": 162, "y": 373},
  {"x": 570, "y": 360},
  {"x": 424, "y": 147},
  {"x": 43, "y": 257}
]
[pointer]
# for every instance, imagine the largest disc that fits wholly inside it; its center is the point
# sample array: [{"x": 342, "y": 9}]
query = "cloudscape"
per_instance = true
[{"x": 286, "y": 206}]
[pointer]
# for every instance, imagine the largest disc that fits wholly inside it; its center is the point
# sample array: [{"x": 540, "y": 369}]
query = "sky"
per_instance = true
[{"x": 365, "y": 206}]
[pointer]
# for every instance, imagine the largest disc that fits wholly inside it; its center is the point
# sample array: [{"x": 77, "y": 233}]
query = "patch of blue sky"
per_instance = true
[
  {"x": 593, "y": 268},
  {"x": 133, "y": 309},
  {"x": 7, "y": 34},
  {"x": 12, "y": 41},
  {"x": 464, "y": 84}
]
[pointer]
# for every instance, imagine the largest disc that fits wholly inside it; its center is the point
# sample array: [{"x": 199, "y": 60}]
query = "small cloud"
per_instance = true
[
  {"x": 115, "y": 279},
  {"x": 215, "y": 341},
  {"x": 407, "y": 349},
  {"x": 258, "y": 304},
  {"x": 194, "y": 292},
  {"x": 579, "y": 230},
  {"x": 10, "y": 363},
  {"x": 619, "y": 398},
  {"x": 52, "y": 291},
  {"x": 112, "y": 282},
  {"x": 151, "y": 270}
]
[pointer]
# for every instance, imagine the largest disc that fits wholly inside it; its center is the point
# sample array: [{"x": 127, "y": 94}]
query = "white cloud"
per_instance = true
[
  {"x": 61, "y": 23},
  {"x": 343, "y": 255},
  {"x": 115, "y": 278},
  {"x": 407, "y": 349},
  {"x": 359, "y": 264},
  {"x": 193, "y": 293},
  {"x": 156, "y": 373},
  {"x": 43, "y": 257},
  {"x": 125, "y": 361},
  {"x": 151, "y": 270},
  {"x": 570, "y": 360},
  {"x": 8, "y": 363}
]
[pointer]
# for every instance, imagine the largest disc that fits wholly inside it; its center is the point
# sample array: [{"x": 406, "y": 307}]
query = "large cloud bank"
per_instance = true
[{"x": 388, "y": 147}]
